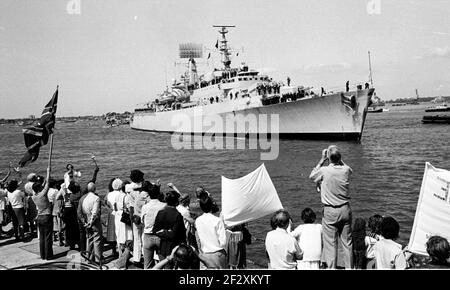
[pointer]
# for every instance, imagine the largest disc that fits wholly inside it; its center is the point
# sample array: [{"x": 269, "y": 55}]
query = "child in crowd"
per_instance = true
[
  {"x": 372, "y": 236},
  {"x": 309, "y": 238},
  {"x": 388, "y": 253},
  {"x": 438, "y": 249},
  {"x": 359, "y": 243}
]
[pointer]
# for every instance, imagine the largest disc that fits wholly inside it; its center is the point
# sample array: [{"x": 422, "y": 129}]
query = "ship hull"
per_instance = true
[{"x": 325, "y": 117}]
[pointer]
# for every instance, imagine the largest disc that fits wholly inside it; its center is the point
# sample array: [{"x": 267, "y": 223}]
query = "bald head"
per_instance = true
[
  {"x": 334, "y": 155},
  {"x": 91, "y": 187}
]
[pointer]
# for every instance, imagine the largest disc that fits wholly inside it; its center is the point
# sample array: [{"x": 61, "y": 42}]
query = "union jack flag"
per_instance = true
[{"x": 38, "y": 134}]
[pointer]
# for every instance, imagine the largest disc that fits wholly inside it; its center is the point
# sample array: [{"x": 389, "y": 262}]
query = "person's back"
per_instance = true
[
  {"x": 16, "y": 198},
  {"x": 282, "y": 249},
  {"x": 309, "y": 238},
  {"x": 211, "y": 232},
  {"x": 169, "y": 225},
  {"x": 335, "y": 184},
  {"x": 89, "y": 203},
  {"x": 388, "y": 253},
  {"x": 149, "y": 212},
  {"x": 310, "y": 241}
]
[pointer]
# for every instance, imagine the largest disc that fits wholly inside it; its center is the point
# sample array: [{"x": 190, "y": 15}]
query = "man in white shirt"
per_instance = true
[
  {"x": 151, "y": 242},
  {"x": 91, "y": 208},
  {"x": 211, "y": 236},
  {"x": 282, "y": 248},
  {"x": 17, "y": 201}
]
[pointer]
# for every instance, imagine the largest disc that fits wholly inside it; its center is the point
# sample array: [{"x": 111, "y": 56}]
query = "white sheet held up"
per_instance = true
[
  {"x": 249, "y": 198},
  {"x": 433, "y": 209}
]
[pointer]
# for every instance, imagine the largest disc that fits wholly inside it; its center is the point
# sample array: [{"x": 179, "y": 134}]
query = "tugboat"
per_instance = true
[{"x": 248, "y": 97}]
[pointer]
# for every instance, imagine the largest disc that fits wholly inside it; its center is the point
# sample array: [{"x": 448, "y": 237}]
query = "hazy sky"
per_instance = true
[{"x": 115, "y": 53}]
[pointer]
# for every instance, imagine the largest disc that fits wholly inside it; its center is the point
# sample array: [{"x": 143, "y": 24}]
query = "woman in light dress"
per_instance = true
[
  {"x": 114, "y": 187},
  {"x": 122, "y": 200}
]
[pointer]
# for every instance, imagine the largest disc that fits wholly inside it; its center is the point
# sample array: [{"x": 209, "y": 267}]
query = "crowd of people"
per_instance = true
[
  {"x": 144, "y": 226},
  {"x": 340, "y": 242},
  {"x": 154, "y": 230}
]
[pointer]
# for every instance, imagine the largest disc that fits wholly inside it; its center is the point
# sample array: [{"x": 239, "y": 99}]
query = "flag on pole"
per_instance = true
[
  {"x": 217, "y": 44},
  {"x": 38, "y": 134}
]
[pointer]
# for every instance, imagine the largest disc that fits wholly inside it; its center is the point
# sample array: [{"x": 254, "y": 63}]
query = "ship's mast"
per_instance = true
[
  {"x": 370, "y": 70},
  {"x": 223, "y": 47}
]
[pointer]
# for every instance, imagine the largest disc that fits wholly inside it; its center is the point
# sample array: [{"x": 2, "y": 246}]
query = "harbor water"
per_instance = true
[{"x": 388, "y": 164}]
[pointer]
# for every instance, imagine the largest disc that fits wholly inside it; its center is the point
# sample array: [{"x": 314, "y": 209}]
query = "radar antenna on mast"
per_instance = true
[{"x": 223, "y": 47}]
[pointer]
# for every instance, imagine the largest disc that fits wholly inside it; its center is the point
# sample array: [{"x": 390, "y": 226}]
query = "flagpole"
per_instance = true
[
  {"x": 51, "y": 145},
  {"x": 50, "y": 152}
]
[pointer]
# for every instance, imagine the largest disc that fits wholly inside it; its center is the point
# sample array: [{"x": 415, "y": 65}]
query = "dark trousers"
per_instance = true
[
  {"x": 18, "y": 220},
  {"x": 72, "y": 231},
  {"x": 83, "y": 239},
  {"x": 45, "y": 226}
]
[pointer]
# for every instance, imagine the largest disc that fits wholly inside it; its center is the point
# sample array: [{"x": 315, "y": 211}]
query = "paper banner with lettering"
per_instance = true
[
  {"x": 249, "y": 198},
  {"x": 433, "y": 209}
]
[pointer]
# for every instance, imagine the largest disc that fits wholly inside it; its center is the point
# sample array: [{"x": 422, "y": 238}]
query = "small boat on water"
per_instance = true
[
  {"x": 374, "y": 110},
  {"x": 436, "y": 119},
  {"x": 439, "y": 108}
]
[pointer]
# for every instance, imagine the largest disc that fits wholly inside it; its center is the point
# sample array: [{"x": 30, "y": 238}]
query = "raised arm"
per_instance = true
[
  {"x": 315, "y": 173},
  {"x": 94, "y": 176}
]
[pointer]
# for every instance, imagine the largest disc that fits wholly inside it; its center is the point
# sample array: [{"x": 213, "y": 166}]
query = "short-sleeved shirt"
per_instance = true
[
  {"x": 149, "y": 212},
  {"x": 282, "y": 249},
  {"x": 389, "y": 255},
  {"x": 334, "y": 189},
  {"x": 309, "y": 238},
  {"x": 43, "y": 205},
  {"x": 17, "y": 199}
]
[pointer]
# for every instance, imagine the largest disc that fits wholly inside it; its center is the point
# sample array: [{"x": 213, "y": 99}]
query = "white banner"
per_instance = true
[
  {"x": 433, "y": 209},
  {"x": 249, "y": 198}
]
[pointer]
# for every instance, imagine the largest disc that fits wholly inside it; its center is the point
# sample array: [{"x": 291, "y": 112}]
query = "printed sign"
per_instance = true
[{"x": 433, "y": 209}]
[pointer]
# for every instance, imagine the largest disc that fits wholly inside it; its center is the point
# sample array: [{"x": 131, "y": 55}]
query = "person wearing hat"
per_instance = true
[
  {"x": 111, "y": 198},
  {"x": 123, "y": 202},
  {"x": 31, "y": 211}
]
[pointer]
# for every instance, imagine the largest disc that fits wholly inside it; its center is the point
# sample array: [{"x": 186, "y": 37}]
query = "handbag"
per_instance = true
[
  {"x": 125, "y": 218},
  {"x": 136, "y": 220}
]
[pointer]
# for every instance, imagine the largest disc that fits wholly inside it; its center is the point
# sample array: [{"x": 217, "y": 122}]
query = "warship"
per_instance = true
[{"x": 242, "y": 94}]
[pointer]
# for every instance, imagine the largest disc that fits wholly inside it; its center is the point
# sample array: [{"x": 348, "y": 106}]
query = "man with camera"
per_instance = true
[{"x": 337, "y": 214}]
